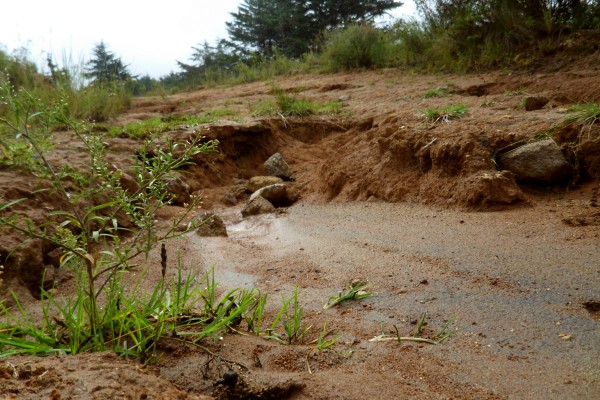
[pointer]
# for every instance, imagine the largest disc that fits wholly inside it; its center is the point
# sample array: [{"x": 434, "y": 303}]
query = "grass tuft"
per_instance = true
[
  {"x": 582, "y": 115},
  {"x": 322, "y": 342},
  {"x": 357, "y": 289},
  {"x": 445, "y": 114},
  {"x": 438, "y": 92},
  {"x": 295, "y": 106},
  {"x": 156, "y": 125},
  {"x": 290, "y": 316}
]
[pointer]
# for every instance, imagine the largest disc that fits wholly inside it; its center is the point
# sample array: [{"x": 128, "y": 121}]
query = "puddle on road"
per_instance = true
[{"x": 232, "y": 279}]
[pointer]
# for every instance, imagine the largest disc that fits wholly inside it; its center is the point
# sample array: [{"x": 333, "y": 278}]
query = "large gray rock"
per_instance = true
[
  {"x": 540, "y": 162},
  {"x": 258, "y": 205},
  {"x": 258, "y": 182},
  {"x": 276, "y": 194},
  {"x": 276, "y": 166}
]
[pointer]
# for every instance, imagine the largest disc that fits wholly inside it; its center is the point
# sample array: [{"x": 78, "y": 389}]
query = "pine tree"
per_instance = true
[
  {"x": 332, "y": 14},
  {"x": 291, "y": 26},
  {"x": 254, "y": 26},
  {"x": 105, "y": 67}
]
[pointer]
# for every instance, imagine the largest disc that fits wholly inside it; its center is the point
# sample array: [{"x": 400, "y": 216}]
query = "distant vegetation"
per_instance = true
[
  {"x": 276, "y": 37},
  {"x": 270, "y": 38}
]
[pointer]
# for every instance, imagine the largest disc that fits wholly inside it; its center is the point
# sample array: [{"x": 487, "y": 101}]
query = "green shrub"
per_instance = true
[
  {"x": 20, "y": 72},
  {"x": 99, "y": 103},
  {"x": 92, "y": 103},
  {"x": 357, "y": 46},
  {"x": 467, "y": 34},
  {"x": 412, "y": 41}
]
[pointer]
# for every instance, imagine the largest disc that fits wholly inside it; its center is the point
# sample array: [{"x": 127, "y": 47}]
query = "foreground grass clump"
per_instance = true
[
  {"x": 88, "y": 231},
  {"x": 290, "y": 316}
]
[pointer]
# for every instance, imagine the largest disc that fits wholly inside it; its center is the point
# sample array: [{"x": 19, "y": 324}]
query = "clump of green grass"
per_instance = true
[
  {"x": 322, "y": 343},
  {"x": 438, "y": 92},
  {"x": 139, "y": 129},
  {"x": 357, "y": 289},
  {"x": 142, "y": 129},
  {"x": 582, "y": 115},
  {"x": 255, "y": 314},
  {"x": 445, "y": 114},
  {"x": 290, "y": 316},
  {"x": 294, "y": 106}
]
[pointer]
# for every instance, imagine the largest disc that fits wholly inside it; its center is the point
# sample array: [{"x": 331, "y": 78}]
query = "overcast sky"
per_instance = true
[{"x": 149, "y": 35}]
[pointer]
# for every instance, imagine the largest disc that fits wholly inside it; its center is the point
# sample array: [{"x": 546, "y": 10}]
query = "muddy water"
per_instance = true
[{"x": 515, "y": 281}]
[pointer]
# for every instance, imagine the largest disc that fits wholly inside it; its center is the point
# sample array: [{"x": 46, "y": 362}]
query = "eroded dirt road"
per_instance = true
[{"x": 518, "y": 283}]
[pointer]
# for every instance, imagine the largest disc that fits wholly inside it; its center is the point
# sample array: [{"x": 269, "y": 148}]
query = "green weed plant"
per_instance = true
[{"x": 87, "y": 230}]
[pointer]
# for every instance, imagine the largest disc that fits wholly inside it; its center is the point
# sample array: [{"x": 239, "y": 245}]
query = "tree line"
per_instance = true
[{"x": 262, "y": 30}]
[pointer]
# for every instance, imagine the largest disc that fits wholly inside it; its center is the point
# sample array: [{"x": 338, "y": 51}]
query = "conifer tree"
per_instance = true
[
  {"x": 291, "y": 26},
  {"x": 105, "y": 67}
]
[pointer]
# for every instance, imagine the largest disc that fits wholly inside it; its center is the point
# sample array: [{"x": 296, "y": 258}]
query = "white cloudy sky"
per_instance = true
[{"x": 149, "y": 35}]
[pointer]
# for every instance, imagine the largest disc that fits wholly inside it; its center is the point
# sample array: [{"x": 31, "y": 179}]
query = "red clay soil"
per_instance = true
[{"x": 417, "y": 208}]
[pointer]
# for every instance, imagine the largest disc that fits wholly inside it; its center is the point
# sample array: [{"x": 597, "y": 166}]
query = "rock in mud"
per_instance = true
[
  {"x": 588, "y": 155},
  {"x": 258, "y": 205},
  {"x": 489, "y": 190},
  {"x": 236, "y": 193},
  {"x": 129, "y": 184},
  {"x": 211, "y": 225},
  {"x": 538, "y": 162},
  {"x": 258, "y": 182},
  {"x": 276, "y": 194},
  {"x": 23, "y": 260},
  {"x": 276, "y": 166},
  {"x": 532, "y": 103},
  {"x": 180, "y": 190}
]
